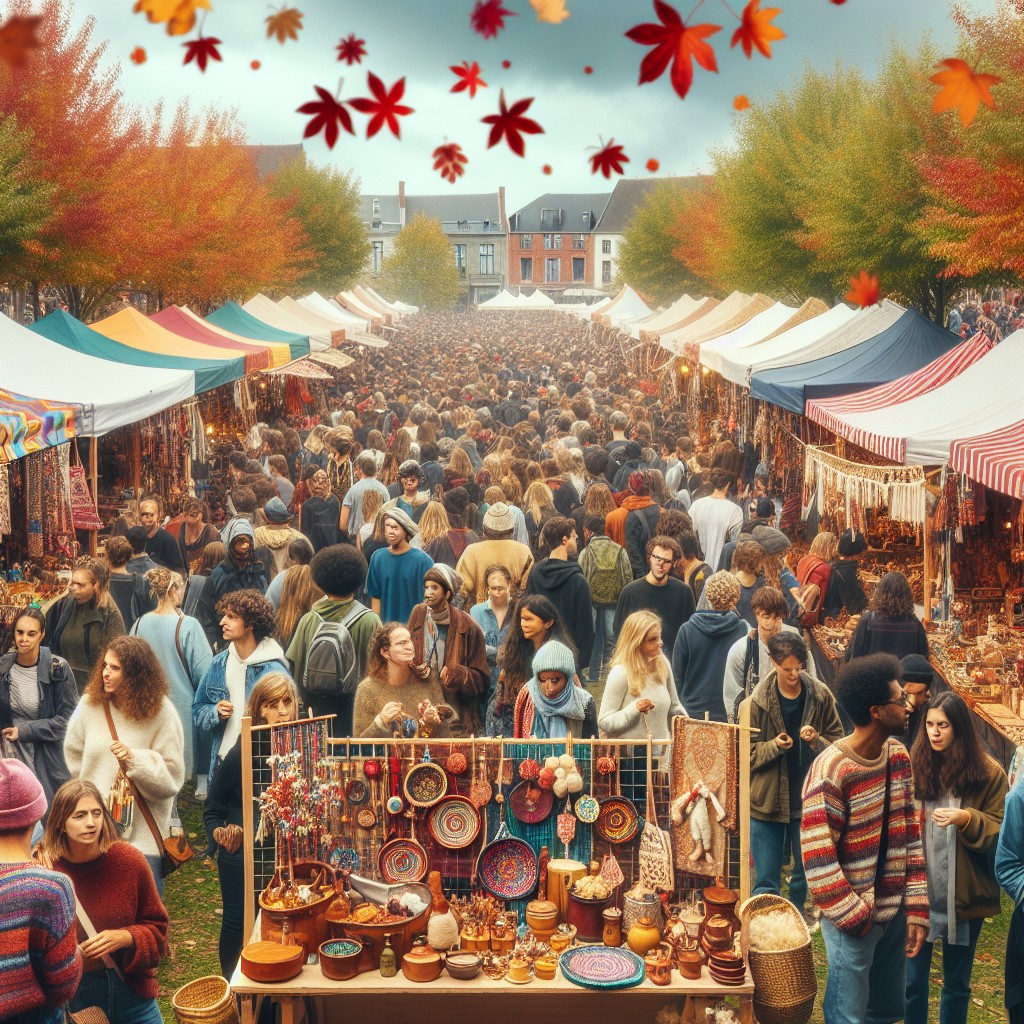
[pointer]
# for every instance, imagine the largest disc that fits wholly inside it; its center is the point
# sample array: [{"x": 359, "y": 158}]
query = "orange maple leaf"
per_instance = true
[
  {"x": 286, "y": 24},
  {"x": 964, "y": 88},
  {"x": 741, "y": 102},
  {"x": 756, "y": 29},
  {"x": 652, "y": 165},
  {"x": 138, "y": 55},
  {"x": 180, "y": 15},
  {"x": 18, "y": 39},
  {"x": 864, "y": 289},
  {"x": 674, "y": 43}
]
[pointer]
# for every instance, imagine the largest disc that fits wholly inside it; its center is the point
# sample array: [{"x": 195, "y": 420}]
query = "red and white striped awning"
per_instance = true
[
  {"x": 995, "y": 459},
  {"x": 833, "y": 413}
]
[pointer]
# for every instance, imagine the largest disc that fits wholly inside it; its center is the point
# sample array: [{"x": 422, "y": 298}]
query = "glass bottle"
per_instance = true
[{"x": 388, "y": 961}]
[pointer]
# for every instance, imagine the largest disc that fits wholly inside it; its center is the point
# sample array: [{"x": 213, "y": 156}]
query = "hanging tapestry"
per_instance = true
[
  {"x": 5, "y": 502},
  {"x": 83, "y": 511},
  {"x": 35, "y": 478}
]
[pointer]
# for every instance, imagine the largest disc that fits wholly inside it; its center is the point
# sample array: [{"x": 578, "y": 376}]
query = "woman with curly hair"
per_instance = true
[
  {"x": 127, "y": 694},
  {"x": 890, "y": 625},
  {"x": 247, "y": 624}
]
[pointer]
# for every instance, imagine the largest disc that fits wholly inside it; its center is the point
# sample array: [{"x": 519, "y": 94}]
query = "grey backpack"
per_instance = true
[{"x": 331, "y": 665}]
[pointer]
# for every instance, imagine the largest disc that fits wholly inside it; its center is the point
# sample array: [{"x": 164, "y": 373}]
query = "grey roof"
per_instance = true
[
  {"x": 557, "y": 211},
  {"x": 627, "y": 196},
  {"x": 459, "y": 213},
  {"x": 269, "y": 158},
  {"x": 389, "y": 210}
]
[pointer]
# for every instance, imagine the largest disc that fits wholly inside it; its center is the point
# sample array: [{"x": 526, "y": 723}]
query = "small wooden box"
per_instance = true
[{"x": 476, "y": 943}]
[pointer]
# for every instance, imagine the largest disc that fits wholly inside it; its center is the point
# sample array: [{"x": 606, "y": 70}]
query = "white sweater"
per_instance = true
[
  {"x": 158, "y": 763},
  {"x": 619, "y": 718}
]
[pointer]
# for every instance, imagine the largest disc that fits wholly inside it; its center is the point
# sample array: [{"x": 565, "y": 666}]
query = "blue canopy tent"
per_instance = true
[
  {"x": 907, "y": 345},
  {"x": 231, "y": 317}
]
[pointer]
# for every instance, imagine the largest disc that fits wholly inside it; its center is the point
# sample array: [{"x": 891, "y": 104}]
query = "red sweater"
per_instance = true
[{"x": 117, "y": 891}]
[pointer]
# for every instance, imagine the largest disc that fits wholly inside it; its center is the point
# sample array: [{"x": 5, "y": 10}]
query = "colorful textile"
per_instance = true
[{"x": 32, "y": 424}]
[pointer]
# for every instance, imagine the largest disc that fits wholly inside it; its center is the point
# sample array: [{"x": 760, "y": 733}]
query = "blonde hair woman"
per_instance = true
[
  {"x": 433, "y": 524},
  {"x": 539, "y": 505},
  {"x": 184, "y": 652},
  {"x": 639, "y": 684},
  {"x": 298, "y": 595}
]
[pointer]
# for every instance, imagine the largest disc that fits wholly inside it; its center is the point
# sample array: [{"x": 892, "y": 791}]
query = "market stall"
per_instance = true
[{"x": 232, "y": 317}]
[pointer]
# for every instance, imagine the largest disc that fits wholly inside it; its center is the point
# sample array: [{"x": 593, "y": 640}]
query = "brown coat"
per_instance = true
[{"x": 977, "y": 891}]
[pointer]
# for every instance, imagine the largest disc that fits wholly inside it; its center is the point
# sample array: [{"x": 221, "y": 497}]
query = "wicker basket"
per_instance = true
[
  {"x": 785, "y": 985},
  {"x": 205, "y": 1001}
]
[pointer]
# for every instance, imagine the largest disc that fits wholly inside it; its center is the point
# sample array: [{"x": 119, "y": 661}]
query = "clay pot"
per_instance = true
[
  {"x": 463, "y": 966},
  {"x": 644, "y": 936},
  {"x": 339, "y": 958},
  {"x": 718, "y": 930},
  {"x": 422, "y": 963},
  {"x": 544, "y": 967},
  {"x": 688, "y": 960},
  {"x": 586, "y": 915}
]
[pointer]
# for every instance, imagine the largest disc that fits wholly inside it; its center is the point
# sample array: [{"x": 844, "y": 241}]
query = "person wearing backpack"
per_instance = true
[
  {"x": 659, "y": 592},
  {"x": 815, "y": 570},
  {"x": 606, "y": 568},
  {"x": 329, "y": 649}
]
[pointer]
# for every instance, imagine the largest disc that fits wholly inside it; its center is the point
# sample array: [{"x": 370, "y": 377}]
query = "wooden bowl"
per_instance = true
[
  {"x": 271, "y": 962},
  {"x": 422, "y": 963},
  {"x": 463, "y": 966},
  {"x": 339, "y": 958}
]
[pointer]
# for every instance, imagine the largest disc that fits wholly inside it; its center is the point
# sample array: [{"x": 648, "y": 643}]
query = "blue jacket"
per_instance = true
[{"x": 268, "y": 657}]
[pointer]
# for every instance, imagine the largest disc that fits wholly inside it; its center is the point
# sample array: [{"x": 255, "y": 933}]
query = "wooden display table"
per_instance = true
[{"x": 398, "y": 1001}]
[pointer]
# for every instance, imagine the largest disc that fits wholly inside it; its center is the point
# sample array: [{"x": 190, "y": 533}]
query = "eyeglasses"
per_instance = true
[
  {"x": 660, "y": 560},
  {"x": 904, "y": 700}
]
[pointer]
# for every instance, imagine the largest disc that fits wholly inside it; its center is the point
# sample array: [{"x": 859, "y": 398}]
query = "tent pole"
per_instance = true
[{"x": 94, "y": 485}]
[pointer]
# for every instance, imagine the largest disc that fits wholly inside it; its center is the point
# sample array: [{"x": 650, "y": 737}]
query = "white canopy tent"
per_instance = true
[
  {"x": 503, "y": 300},
  {"x": 270, "y": 312},
  {"x": 665, "y": 318},
  {"x": 535, "y": 300},
  {"x": 627, "y": 305},
  {"x": 355, "y": 305},
  {"x": 402, "y": 308},
  {"x": 754, "y": 331},
  {"x": 721, "y": 314},
  {"x": 334, "y": 314}
]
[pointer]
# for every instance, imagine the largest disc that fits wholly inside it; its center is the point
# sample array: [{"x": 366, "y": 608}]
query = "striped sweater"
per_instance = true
[
  {"x": 839, "y": 836},
  {"x": 40, "y": 966}
]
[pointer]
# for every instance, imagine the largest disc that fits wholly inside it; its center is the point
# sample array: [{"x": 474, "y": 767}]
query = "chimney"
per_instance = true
[
  {"x": 401, "y": 204},
  {"x": 501, "y": 206}
]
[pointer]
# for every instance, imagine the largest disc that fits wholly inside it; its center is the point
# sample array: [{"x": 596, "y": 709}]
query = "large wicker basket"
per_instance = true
[
  {"x": 205, "y": 1001},
  {"x": 785, "y": 985}
]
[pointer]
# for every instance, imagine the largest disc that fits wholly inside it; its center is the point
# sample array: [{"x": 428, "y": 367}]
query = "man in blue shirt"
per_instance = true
[{"x": 394, "y": 582}]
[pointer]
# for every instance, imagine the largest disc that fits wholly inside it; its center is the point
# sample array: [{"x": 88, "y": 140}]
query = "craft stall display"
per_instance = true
[{"x": 488, "y": 863}]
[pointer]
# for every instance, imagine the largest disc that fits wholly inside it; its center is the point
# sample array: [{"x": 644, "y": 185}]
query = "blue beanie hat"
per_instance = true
[{"x": 554, "y": 657}]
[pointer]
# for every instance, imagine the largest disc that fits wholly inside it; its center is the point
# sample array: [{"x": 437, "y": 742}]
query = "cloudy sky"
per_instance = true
[{"x": 419, "y": 39}]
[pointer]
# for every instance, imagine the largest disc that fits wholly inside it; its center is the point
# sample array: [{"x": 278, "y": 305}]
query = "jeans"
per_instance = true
[
  {"x": 121, "y": 1005},
  {"x": 604, "y": 641},
  {"x": 768, "y": 844},
  {"x": 154, "y": 866},
  {"x": 957, "y": 962},
  {"x": 867, "y": 977}
]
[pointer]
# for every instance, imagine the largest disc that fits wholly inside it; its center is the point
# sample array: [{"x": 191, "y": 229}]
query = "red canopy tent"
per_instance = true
[
  {"x": 995, "y": 459},
  {"x": 175, "y": 320}
]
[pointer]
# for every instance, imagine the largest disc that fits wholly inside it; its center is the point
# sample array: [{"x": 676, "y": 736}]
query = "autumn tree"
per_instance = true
[
  {"x": 23, "y": 199},
  {"x": 421, "y": 269},
  {"x": 325, "y": 203}
]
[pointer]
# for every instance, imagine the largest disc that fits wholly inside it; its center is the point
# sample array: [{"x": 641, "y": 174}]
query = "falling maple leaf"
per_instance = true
[
  {"x": 285, "y": 24},
  {"x": 450, "y": 161},
  {"x": 468, "y": 77},
  {"x": 551, "y": 11},
  {"x": 383, "y": 105},
  {"x": 180, "y": 15},
  {"x": 609, "y": 159},
  {"x": 964, "y": 88},
  {"x": 511, "y": 122},
  {"x": 138, "y": 55},
  {"x": 329, "y": 116},
  {"x": 675, "y": 42},
  {"x": 652, "y": 165},
  {"x": 18, "y": 39},
  {"x": 864, "y": 289},
  {"x": 546, "y": 168},
  {"x": 756, "y": 29},
  {"x": 506, "y": 64},
  {"x": 488, "y": 17},
  {"x": 352, "y": 50},
  {"x": 587, "y": 69},
  {"x": 741, "y": 102},
  {"x": 202, "y": 51},
  {"x": 255, "y": 65}
]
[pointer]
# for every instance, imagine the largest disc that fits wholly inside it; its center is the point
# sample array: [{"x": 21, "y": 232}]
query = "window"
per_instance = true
[
  {"x": 579, "y": 241},
  {"x": 579, "y": 268},
  {"x": 525, "y": 269},
  {"x": 606, "y": 272},
  {"x": 460, "y": 258},
  {"x": 526, "y": 241},
  {"x": 487, "y": 258},
  {"x": 550, "y": 220},
  {"x": 552, "y": 270},
  {"x": 606, "y": 246},
  {"x": 378, "y": 256},
  {"x": 376, "y": 207},
  {"x": 552, "y": 241}
]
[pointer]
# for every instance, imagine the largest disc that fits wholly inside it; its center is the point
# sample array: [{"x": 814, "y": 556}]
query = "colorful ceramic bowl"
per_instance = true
[
  {"x": 402, "y": 860},
  {"x": 507, "y": 868},
  {"x": 602, "y": 967},
  {"x": 617, "y": 821},
  {"x": 453, "y": 822},
  {"x": 425, "y": 784}
]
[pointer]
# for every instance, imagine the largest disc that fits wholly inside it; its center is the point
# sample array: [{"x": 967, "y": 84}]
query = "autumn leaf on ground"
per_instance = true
[
  {"x": 511, "y": 122},
  {"x": 180, "y": 15},
  {"x": 468, "y": 77},
  {"x": 352, "y": 50},
  {"x": 676, "y": 43},
  {"x": 329, "y": 116},
  {"x": 609, "y": 159},
  {"x": 18, "y": 39},
  {"x": 383, "y": 105},
  {"x": 962, "y": 88},
  {"x": 450, "y": 161},
  {"x": 741, "y": 102},
  {"x": 488, "y": 17},
  {"x": 202, "y": 51},
  {"x": 756, "y": 29},
  {"x": 285, "y": 24},
  {"x": 864, "y": 289},
  {"x": 138, "y": 55},
  {"x": 551, "y": 11}
]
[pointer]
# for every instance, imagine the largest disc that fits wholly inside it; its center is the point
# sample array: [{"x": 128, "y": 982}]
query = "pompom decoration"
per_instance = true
[
  {"x": 455, "y": 763},
  {"x": 605, "y": 765},
  {"x": 567, "y": 761},
  {"x": 546, "y": 778},
  {"x": 551, "y": 762},
  {"x": 561, "y": 788},
  {"x": 371, "y": 768},
  {"x": 529, "y": 769},
  {"x": 574, "y": 782},
  {"x": 560, "y": 772}
]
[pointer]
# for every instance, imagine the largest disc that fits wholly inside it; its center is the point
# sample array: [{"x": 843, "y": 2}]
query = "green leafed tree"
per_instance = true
[
  {"x": 23, "y": 200},
  {"x": 421, "y": 269},
  {"x": 325, "y": 202}
]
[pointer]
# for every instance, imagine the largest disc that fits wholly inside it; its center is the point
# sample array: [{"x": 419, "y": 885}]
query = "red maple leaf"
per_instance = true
[
  {"x": 652, "y": 165},
  {"x": 756, "y": 29},
  {"x": 510, "y": 122},
  {"x": 329, "y": 115},
  {"x": 488, "y": 17},
  {"x": 468, "y": 77},
  {"x": 450, "y": 161},
  {"x": 352, "y": 50},
  {"x": 610, "y": 158},
  {"x": 383, "y": 105},
  {"x": 138, "y": 55},
  {"x": 676, "y": 43},
  {"x": 202, "y": 51},
  {"x": 864, "y": 289}
]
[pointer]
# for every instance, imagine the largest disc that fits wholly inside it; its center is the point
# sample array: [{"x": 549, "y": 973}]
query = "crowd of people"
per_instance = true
[{"x": 479, "y": 538}]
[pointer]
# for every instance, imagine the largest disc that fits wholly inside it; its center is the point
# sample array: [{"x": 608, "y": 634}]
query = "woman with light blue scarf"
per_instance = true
[{"x": 553, "y": 703}]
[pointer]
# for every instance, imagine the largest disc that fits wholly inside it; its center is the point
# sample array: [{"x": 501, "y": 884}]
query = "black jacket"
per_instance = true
[
  {"x": 641, "y": 526},
  {"x": 565, "y": 586},
  {"x": 226, "y": 579}
]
